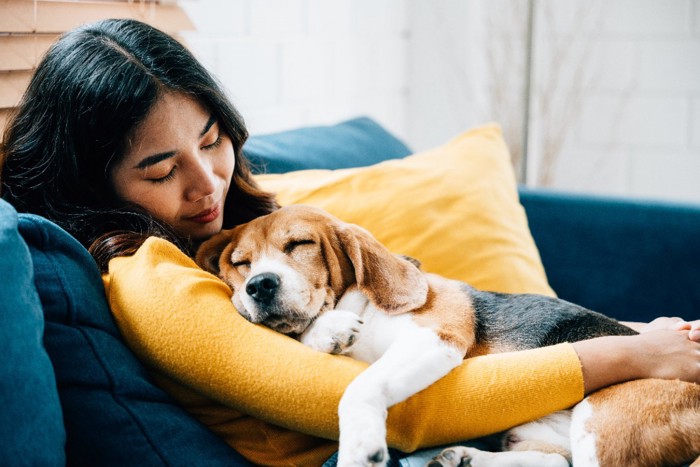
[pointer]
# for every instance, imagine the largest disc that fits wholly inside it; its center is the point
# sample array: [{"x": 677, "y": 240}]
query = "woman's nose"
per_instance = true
[{"x": 201, "y": 182}]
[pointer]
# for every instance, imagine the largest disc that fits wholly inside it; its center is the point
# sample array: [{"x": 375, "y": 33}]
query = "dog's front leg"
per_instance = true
[{"x": 415, "y": 360}]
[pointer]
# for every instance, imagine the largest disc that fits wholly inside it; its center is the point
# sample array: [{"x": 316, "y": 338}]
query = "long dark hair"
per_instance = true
[{"x": 90, "y": 91}]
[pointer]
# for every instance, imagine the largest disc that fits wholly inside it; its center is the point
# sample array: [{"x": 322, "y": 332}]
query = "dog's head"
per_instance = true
[{"x": 289, "y": 266}]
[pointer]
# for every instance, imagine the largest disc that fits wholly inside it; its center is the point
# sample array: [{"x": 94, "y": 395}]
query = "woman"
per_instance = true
[{"x": 122, "y": 135}]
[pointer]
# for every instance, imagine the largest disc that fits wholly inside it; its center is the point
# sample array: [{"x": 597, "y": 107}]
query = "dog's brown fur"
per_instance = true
[{"x": 641, "y": 423}]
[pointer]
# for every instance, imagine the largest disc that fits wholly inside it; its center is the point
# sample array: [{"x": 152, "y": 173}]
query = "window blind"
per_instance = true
[{"x": 29, "y": 27}]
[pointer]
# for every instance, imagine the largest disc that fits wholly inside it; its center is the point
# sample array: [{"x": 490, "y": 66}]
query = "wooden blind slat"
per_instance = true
[
  {"x": 62, "y": 16},
  {"x": 23, "y": 52},
  {"x": 13, "y": 85},
  {"x": 17, "y": 16},
  {"x": 4, "y": 117},
  {"x": 29, "y": 27},
  {"x": 24, "y": 16}
]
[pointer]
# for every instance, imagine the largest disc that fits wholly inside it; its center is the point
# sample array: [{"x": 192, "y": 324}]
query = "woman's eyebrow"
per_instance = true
[
  {"x": 154, "y": 159},
  {"x": 210, "y": 122}
]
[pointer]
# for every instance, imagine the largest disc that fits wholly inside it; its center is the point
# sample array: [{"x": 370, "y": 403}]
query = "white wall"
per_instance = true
[
  {"x": 619, "y": 80},
  {"x": 288, "y": 63},
  {"x": 638, "y": 126},
  {"x": 616, "y": 88}
]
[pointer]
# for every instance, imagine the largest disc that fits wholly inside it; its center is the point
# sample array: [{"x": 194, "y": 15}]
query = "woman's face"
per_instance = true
[{"x": 178, "y": 166}]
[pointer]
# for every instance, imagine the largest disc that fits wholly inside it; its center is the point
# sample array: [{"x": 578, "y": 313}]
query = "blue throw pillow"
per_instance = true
[
  {"x": 31, "y": 424},
  {"x": 113, "y": 415},
  {"x": 354, "y": 143}
]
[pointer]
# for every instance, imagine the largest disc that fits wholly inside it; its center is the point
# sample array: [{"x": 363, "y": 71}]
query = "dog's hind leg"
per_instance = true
[
  {"x": 544, "y": 442},
  {"x": 459, "y": 456},
  {"x": 549, "y": 434},
  {"x": 637, "y": 424}
]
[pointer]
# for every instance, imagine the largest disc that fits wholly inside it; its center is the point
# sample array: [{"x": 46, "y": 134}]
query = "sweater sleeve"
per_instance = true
[{"x": 180, "y": 321}]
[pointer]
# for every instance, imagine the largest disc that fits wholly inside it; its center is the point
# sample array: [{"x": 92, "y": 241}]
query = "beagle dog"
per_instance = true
[{"x": 333, "y": 286}]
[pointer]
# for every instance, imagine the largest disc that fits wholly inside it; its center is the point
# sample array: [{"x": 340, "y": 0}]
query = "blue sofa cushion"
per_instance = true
[
  {"x": 353, "y": 143},
  {"x": 113, "y": 415},
  {"x": 31, "y": 424}
]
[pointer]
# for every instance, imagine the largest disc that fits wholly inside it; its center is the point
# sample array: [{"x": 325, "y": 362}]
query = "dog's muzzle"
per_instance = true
[{"x": 265, "y": 290}]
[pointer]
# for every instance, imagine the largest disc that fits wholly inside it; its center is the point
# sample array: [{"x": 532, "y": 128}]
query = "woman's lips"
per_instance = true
[{"x": 207, "y": 216}]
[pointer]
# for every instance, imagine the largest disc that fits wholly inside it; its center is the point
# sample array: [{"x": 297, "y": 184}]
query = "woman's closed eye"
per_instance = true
[
  {"x": 214, "y": 145},
  {"x": 158, "y": 168},
  {"x": 164, "y": 178},
  {"x": 171, "y": 173},
  {"x": 211, "y": 135}
]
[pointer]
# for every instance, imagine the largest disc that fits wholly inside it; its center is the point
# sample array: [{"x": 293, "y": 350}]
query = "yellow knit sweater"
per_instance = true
[{"x": 275, "y": 400}]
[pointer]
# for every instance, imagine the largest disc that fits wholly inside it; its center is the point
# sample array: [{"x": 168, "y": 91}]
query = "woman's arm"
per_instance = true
[{"x": 180, "y": 321}]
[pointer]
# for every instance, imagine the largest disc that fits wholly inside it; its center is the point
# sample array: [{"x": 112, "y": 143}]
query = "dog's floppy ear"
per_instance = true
[
  {"x": 390, "y": 282},
  {"x": 411, "y": 260},
  {"x": 209, "y": 252}
]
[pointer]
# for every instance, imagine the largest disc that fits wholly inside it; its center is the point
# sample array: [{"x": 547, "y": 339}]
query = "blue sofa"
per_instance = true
[{"x": 72, "y": 393}]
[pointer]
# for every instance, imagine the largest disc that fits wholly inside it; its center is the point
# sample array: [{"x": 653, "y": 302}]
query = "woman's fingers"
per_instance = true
[
  {"x": 692, "y": 326},
  {"x": 663, "y": 322}
]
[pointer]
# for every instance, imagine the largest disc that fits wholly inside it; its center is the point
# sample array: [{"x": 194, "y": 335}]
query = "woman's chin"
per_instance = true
[{"x": 200, "y": 231}]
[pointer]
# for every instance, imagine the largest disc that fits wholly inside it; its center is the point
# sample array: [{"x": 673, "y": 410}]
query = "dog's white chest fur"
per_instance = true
[{"x": 378, "y": 330}]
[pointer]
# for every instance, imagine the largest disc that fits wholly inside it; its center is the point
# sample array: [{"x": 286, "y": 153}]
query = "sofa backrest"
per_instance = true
[
  {"x": 113, "y": 414},
  {"x": 352, "y": 143},
  {"x": 31, "y": 428}
]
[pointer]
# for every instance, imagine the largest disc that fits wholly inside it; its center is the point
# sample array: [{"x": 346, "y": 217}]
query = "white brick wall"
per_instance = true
[
  {"x": 695, "y": 125},
  {"x": 637, "y": 132},
  {"x": 648, "y": 18},
  {"x": 640, "y": 122},
  {"x": 624, "y": 97},
  {"x": 669, "y": 65},
  {"x": 288, "y": 63},
  {"x": 627, "y": 87}
]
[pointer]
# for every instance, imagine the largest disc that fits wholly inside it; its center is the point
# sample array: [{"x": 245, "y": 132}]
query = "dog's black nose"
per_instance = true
[{"x": 263, "y": 287}]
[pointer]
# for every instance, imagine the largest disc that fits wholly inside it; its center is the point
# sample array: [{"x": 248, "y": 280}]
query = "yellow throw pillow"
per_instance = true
[{"x": 455, "y": 208}]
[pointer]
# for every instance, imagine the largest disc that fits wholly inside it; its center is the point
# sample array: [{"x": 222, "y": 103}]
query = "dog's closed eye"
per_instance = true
[{"x": 293, "y": 244}]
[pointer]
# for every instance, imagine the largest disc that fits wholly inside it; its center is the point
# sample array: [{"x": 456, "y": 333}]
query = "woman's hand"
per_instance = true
[
  {"x": 656, "y": 353},
  {"x": 668, "y": 354},
  {"x": 669, "y": 323},
  {"x": 693, "y": 328}
]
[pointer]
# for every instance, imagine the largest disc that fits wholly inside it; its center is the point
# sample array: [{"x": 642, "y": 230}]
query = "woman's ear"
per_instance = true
[
  {"x": 392, "y": 283},
  {"x": 209, "y": 252}
]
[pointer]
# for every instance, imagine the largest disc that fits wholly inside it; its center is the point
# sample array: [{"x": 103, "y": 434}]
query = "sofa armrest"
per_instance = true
[{"x": 633, "y": 260}]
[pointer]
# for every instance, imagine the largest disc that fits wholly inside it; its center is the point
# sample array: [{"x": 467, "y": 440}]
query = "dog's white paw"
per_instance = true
[
  {"x": 333, "y": 332},
  {"x": 463, "y": 456},
  {"x": 365, "y": 447},
  {"x": 452, "y": 457}
]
